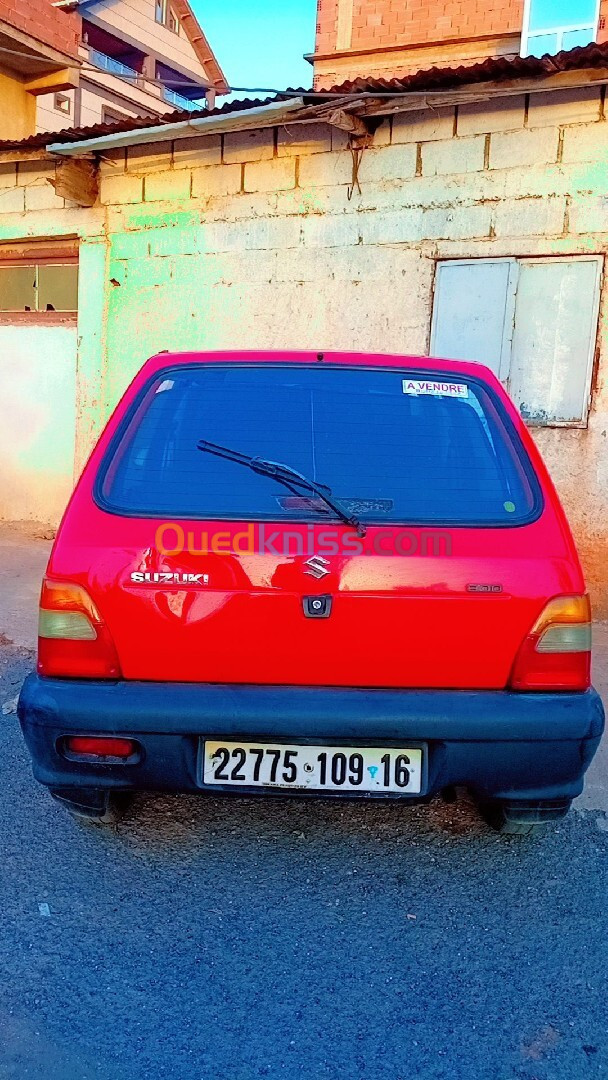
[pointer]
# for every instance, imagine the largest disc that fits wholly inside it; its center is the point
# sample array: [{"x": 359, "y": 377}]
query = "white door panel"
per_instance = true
[{"x": 37, "y": 420}]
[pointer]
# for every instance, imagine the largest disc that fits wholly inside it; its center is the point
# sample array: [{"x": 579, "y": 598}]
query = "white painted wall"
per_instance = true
[{"x": 37, "y": 420}]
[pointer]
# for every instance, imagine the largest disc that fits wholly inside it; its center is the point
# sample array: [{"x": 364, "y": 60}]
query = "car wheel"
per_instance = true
[
  {"x": 93, "y": 805},
  {"x": 524, "y": 819}
]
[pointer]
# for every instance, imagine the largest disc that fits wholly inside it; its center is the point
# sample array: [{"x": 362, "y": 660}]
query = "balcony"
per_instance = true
[
  {"x": 179, "y": 101},
  {"x": 115, "y": 67}
]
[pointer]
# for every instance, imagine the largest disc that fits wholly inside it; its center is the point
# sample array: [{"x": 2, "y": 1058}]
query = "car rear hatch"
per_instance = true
[{"x": 204, "y": 569}]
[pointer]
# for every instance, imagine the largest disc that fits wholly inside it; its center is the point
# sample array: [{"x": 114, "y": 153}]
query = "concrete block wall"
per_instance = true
[
  {"x": 251, "y": 241},
  {"x": 28, "y": 185}
]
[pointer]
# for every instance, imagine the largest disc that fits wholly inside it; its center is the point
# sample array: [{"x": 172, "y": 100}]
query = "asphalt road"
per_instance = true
[{"x": 235, "y": 939}]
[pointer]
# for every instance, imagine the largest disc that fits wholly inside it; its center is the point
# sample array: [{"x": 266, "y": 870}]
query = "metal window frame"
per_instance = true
[
  {"x": 61, "y": 253},
  {"x": 559, "y": 30}
]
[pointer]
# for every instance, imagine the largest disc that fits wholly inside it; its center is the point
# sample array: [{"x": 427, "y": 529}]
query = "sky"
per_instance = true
[{"x": 260, "y": 43}]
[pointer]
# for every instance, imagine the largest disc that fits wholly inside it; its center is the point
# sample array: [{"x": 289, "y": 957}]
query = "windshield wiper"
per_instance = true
[{"x": 284, "y": 474}]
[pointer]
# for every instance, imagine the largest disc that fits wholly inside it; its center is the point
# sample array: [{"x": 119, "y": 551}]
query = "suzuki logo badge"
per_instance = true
[{"x": 318, "y": 566}]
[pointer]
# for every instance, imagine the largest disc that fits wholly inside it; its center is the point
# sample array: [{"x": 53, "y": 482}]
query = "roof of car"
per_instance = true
[{"x": 356, "y": 359}]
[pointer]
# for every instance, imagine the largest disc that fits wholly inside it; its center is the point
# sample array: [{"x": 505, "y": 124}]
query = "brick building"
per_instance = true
[{"x": 392, "y": 37}]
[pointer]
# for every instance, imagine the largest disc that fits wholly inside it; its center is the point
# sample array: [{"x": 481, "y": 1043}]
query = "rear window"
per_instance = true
[{"x": 393, "y": 446}]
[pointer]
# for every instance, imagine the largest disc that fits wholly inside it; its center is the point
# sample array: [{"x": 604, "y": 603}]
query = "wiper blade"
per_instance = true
[{"x": 284, "y": 474}]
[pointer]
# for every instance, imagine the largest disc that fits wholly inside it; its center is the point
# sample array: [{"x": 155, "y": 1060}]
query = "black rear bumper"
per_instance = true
[{"x": 500, "y": 744}]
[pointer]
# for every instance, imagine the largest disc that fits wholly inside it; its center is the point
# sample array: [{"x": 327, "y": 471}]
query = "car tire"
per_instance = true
[
  {"x": 524, "y": 819},
  {"x": 96, "y": 806}
]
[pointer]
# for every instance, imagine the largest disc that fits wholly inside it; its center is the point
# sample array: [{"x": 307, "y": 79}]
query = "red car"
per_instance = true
[{"x": 315, "y": 573}]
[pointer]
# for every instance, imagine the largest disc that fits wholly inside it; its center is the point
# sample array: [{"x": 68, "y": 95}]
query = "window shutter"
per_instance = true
[
  {"x": 473, "y": 312},
  {"x": 556, "y": 317}
]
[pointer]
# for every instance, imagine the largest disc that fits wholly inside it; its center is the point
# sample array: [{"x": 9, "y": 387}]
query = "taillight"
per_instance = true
[
  {"x": 556, "y": 655},
  {"x": 73, "y": 640}
]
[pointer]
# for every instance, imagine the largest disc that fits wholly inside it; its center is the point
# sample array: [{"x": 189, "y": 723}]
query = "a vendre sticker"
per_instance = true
[{"x": 418, "y": 387}]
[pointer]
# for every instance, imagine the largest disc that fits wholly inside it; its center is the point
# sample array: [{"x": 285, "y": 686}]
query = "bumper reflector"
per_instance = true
[{"x": 91, "y": 746}]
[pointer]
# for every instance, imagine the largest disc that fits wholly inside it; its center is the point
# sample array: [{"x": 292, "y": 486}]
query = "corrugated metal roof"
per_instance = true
[
  {"x": 494, "y": 69},
  {"x": 133, "y": 123}
]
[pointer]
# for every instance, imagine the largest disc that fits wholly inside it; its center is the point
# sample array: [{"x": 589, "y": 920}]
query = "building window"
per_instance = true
[
  {"x": 553, "y": 25},
  {"x": 166, "y": 15},
  {"x": 112, "y": 116},
  {"x": 39, "y": 287},
  {"x": 63, "y": 104},
  {"x": 532, "y": 321}
]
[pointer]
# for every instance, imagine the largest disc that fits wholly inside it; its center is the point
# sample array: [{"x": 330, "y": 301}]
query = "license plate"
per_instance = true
[{"x": 313, "y": 768}]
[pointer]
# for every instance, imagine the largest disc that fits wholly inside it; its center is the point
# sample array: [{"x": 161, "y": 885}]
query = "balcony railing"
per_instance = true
[
  {"x": 115, "y": 67},
  {"x": 179, "y": 101}
]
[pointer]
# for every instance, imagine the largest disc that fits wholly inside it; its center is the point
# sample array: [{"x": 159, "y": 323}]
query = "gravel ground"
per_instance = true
[{"x": 207, "y": 939}]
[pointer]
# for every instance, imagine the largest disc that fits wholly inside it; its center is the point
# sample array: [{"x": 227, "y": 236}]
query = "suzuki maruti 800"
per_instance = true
[{"x": 335, "y": 575}]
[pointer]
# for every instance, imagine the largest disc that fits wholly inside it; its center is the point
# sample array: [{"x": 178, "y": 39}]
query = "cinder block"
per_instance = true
[
  {"x": 399, "y": 227},
  {"x": 457, "y": 223},
  {"x": 578, "y": 106},
  {"x": 240, "y": 146},
  {"x": 335, "y": 230},
  {"x": 42, "y": 197},
  {"x": 216, "y": 180},
  {"x": 12, "y": 200},
  {"x": 176, "y": 240},
  {"x": 530, "y": 217},
  {"x": 588, "y": 142},
  {"x": 276, "y": 175},
  {"x": 482, "y": 117},
  {"x": 35, "y": 172},
  {"x": 326, "y": 170},
  {"x": 196, "y": 151},
  {"x": 247, "y": 266},
  {"x": 167, "y": 185},
  {"x": 453, "y": 156},
  {"x": 304, "y": 264},
  {"x": 8, "y": 175},
  {"x": 388, "y": 163},
  {"x": 149, "y": 157},
  {"x": 540, "y": 180},
  {"x": 270, "y": 233},
  {"x": 425, "y": 125},
  {"x": 522, "y": 149},
  {"x": 122, "y": 189},
  {"x": 588, "y": 215},
  {"x": 295, "y": 140},
  {"x": 114, "y": 161},
  {"x": 130, "y": 245},
  {"x": 259, "y": 234},
  {"x": 382, "y": 135},
  {"x": 340, "y": 140}
]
